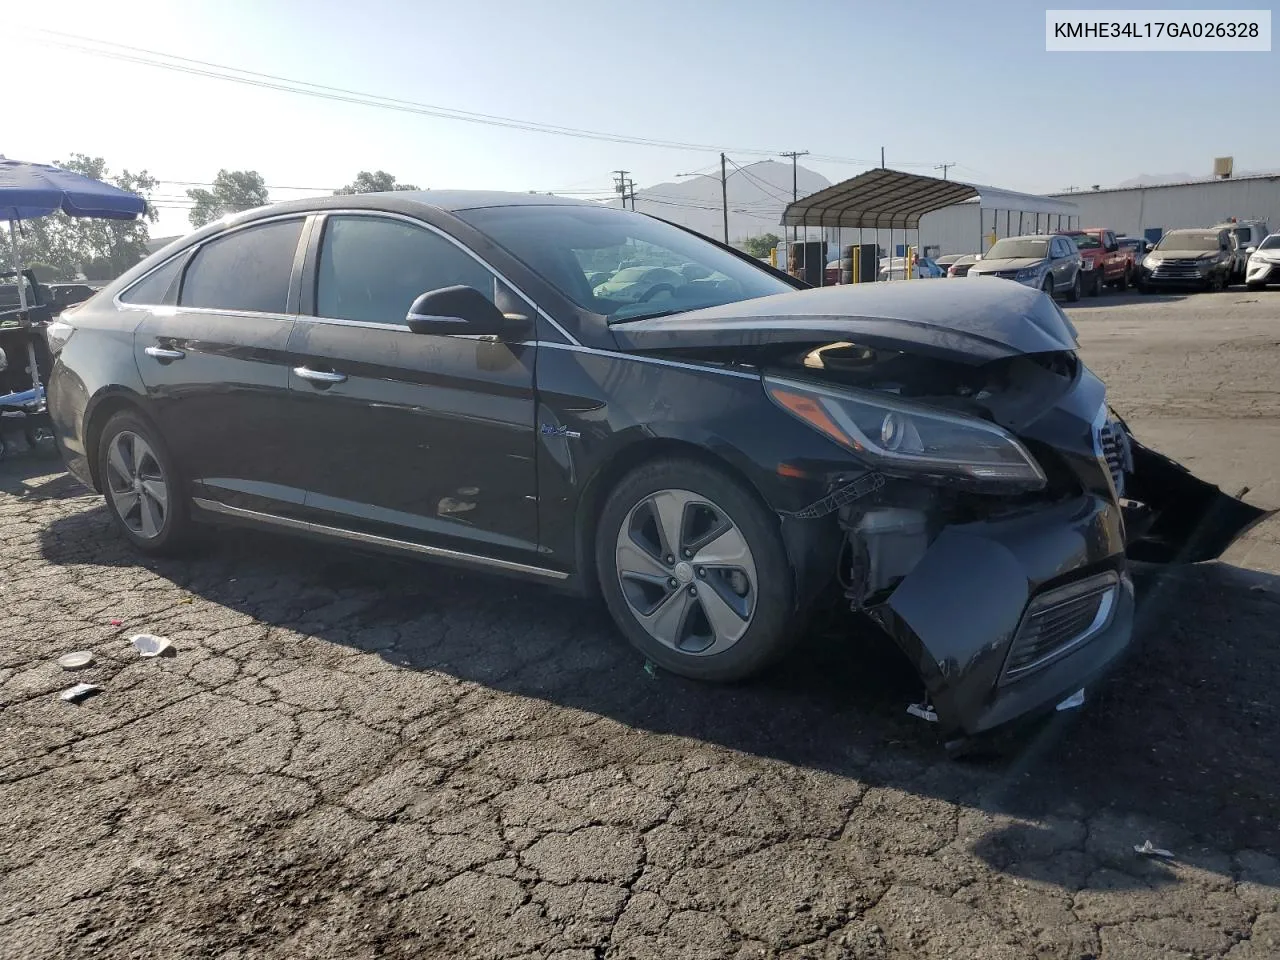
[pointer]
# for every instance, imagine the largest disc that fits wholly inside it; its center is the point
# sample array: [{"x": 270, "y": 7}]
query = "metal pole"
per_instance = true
[
  {"x": 22, "y": 305},
  {"x": 1019, "y": 223},
  {"x": 724, "y": 197}
]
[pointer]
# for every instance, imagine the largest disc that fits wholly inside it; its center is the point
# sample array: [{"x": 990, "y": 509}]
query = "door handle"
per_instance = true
[
  {"x": 319, "y": 376},
  {"x": 164, "y": 354}
]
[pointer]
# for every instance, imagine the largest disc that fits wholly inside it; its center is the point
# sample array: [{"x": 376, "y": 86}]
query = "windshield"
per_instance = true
[
  {"x": 1015, "y": 249},
  {"x": 1085, "y": 241},
  {"x": 1271, "y": 243},
  {"x": 622, "y": 265},
  {"x": 1198, "y": 240}
]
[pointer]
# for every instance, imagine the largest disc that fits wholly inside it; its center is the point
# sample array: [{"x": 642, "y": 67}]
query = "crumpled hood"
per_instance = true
[{"x": 973, "y": 322}]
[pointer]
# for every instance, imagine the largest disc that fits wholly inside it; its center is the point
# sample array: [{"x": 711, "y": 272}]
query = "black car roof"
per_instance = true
[{"x": 449, "y": 201}]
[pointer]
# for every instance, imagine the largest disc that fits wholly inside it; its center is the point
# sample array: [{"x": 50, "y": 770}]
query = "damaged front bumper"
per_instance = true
[
  {"x": 970, "y": 619},
  {"x": 1014, "y": 614}
]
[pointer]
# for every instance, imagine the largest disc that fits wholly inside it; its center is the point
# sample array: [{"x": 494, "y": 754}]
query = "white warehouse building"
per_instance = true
[{"x": 1133, "y": 211}]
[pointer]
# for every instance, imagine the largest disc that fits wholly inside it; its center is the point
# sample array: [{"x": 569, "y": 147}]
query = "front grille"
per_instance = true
[
  {"x": 1058, "y": 622},
  {"x": 1177, "y": 270}
]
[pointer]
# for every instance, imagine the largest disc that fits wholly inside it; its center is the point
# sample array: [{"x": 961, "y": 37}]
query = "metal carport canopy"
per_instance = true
[{"x": 891, "y": 199}]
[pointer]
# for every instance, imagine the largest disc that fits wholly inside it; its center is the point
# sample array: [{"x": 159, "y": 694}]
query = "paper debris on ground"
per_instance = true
[
  {"x": 149, "y": 645},
  {"x": 75, "y": 660},
  {"x": 1147, "y": 850},
  {"x": 79, "y": 692}
]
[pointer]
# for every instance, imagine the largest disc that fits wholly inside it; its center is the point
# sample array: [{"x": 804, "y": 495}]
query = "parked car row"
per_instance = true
[{"x": 1072, "y": 263}]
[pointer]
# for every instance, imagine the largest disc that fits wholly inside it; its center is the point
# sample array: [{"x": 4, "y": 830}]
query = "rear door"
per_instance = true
[
  {"x": 1062, "y": 266},
  {"x": 216, "y": 367},
  {"x": 418, "y": 437}
]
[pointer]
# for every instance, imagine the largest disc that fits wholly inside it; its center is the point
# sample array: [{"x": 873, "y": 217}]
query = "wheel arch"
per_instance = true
[
  {"x": 607, "y": 476},
  {"x": 96, "y": 420}
]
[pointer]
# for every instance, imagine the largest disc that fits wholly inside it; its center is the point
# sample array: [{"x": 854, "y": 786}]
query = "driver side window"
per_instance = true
[{"x": 371, "y": 269}]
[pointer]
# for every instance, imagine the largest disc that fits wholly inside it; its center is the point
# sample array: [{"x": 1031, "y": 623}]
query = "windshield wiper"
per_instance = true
[{"x": 646, "y": 316}]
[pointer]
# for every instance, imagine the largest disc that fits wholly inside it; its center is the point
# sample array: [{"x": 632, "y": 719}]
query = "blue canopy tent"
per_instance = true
[{"x": 32, "y": 190}]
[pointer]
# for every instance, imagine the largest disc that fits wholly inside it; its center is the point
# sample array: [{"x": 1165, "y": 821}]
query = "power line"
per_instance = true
[
  {"x": 205, "y": 68},
  {"x": 766, "y": 187}
]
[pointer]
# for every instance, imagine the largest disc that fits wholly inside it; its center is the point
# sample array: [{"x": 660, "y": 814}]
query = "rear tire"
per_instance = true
[
  {"x": 144, "y": 491},
  {"x": 717, "y": 606}
]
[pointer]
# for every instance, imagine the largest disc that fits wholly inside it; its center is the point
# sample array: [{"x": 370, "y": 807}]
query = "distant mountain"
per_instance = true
[
  {"x": 758, "y": 193},
  {"x": 1154, "y": 180}
]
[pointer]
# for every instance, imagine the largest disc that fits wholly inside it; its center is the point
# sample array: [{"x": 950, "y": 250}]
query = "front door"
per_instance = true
[
  {"x": 419, "y": 437},
  {"x": 216, "y": 368}
]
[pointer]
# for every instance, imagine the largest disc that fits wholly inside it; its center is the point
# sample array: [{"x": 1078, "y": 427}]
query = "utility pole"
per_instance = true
[
  {"x": 724, "y": 197},
  {"x": 795, "y": 194},
  {"x": 882, "y": 158},
  {"x": 631, "y": 186},
  {"x": 620, "y": 181},
  {"x": 944, "y": 167}
]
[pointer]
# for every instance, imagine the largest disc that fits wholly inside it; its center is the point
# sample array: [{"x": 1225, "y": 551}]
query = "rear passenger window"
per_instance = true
[
  {"x": 248, "y": 270},
  {"x": 153, "y": 289},
  {"x": 372, "y": 268}
]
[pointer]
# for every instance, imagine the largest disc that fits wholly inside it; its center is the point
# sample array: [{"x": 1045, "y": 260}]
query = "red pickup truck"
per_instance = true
[{"x": 1105, "y": 261}]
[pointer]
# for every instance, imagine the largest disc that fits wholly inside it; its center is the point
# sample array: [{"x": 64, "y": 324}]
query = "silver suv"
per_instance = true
[{"x": 1047, "y": 261}]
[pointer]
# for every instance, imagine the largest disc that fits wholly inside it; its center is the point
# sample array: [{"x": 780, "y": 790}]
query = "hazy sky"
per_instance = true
[{"x": 966, "y": 83}]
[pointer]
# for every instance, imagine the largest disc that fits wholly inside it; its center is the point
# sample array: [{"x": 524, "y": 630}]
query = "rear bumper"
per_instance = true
[{"x": 957, "y": 613}]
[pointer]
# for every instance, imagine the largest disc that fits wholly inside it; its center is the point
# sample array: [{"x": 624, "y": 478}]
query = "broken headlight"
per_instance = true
[{"x": 899, "y": 436}]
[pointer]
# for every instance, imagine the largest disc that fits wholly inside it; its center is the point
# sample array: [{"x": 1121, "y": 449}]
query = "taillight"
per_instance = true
[{"x": 57, "y": 334}]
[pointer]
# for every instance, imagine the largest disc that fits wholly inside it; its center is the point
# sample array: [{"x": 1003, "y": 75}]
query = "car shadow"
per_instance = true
[
  {"x": 1182, "y": 735},
  {"x": 35, "y": 474}
]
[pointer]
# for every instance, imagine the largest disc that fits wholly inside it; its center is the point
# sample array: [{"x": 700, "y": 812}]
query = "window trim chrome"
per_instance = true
[{"x": 193, "y": 249}]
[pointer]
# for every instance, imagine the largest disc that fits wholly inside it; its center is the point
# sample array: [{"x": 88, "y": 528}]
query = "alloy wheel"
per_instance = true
[
  {"x": 137, "y": 485},
  {"x": 686, "y": 572}
]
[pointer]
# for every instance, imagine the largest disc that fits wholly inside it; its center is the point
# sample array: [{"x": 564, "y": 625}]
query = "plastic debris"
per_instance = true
[
  {"x": 924, "y": 711},
  {"x": 149, "y": 645},
  {"x": 76, "y": 660},
  {"x": 1073, "y": 701},
  {"x": 79, "y": 692},
  {"x": 651, "y": 669},
  {"x": 1147, "y": 850},
  {"x": 115, "y": 622}
]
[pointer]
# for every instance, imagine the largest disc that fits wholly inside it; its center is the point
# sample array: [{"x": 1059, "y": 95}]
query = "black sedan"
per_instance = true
[{"x": 446, "y": 375}]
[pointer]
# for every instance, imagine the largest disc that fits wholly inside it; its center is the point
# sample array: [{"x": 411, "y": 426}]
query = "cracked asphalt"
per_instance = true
[{"x": 353, "y": 757}]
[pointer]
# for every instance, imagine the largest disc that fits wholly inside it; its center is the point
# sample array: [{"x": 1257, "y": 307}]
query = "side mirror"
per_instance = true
[
  {"x": 460, "y": 310},
  {"x": 1250, "y": 249}
]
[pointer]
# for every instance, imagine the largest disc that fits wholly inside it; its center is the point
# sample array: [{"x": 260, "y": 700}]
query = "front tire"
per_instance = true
[
  {"x": 144, "y": 492},
  {"x": 694, "y": 572},
  {"x": 1073, "y": 295},
  {"x": 1097, "y": 285},
  {"x": 1123, "y": 283}
]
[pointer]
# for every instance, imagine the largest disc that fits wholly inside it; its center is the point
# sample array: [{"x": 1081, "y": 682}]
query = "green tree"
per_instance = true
[
  {"x": 379, "y": 181},
  {"x": 233, "y": 191},
  {"x": 761, "y": 245},
  {"x": 65, "y": 245}
]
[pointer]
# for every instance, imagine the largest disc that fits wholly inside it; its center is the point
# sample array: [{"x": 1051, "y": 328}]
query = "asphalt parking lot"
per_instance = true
[{"x": 353, "y": 757}]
